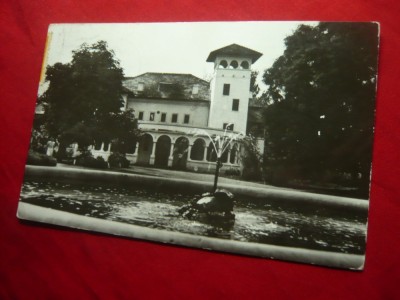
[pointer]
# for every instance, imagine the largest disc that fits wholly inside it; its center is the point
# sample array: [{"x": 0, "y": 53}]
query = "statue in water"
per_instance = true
[{"x": 216, "y": 206}]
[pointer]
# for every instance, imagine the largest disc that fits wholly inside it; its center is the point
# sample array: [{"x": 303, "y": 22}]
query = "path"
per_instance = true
[{"x": 180, "y": 175}]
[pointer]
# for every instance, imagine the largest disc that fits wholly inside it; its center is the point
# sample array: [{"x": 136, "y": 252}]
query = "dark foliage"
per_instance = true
[
  {"x": 251, "y": 160},
  {"x": 38, "y": 159},
  {"x": 83, "y": 103},
  {"x": 254, "y": 88},
  {"x": 232, "y": 172},
  {"x": 87, "y": 160},
  {"x": 118, "y": 160},
  {"x": 321, "y": 98},
  {"x": 39, "y": 140}
]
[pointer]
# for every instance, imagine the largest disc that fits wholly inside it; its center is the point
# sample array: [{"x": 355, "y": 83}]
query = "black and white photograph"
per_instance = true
[{"x": 252, "y": 138}]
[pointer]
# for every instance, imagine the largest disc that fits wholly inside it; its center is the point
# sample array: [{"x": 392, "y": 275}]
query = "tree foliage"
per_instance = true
[
  {"x": 321, "y": 95},
  {"x": 254, "y": 88},
  {"x": 84, "y": 99},
  {"x": 251, "y": 159}
]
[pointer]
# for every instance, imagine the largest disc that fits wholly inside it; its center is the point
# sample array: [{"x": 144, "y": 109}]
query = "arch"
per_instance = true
[
  {"x": 180, "y": 153},
  {"x": 106, "y": 146},
  {"x": 131, "y": 146},
  {"x": 234, "y": 154},
  {"x": 197, "y": 152},
  {"x": 211, "y": 154},
  {"x": 234, "y": 64},
  {"x": 97, "y": 145},
  {"x": 223, "y": 64},
  {"x": 145, "y": 149},
  {"x": 163, "y": 146},
  {"x": 224, "y": 156},
  {"x": 244, "y": 65}
]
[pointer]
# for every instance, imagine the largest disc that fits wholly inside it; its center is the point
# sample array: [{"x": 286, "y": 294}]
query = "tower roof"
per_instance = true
[{"x": 234, "y": 50}]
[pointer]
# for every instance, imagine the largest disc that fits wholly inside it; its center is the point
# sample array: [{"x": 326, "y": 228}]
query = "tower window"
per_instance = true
[
  {"x": 235, "y": 105},
  {"x": 226, "y": 90},
  {"x": 186, "y": 119},
  {"x": 234, "y": 64},
  {"x": 163, "y": 117},
  {"x": 174, "y": 118},
  {"x": 141, "y": 113},
  {"x": 228, "y": 126},
  {"x": 244, "y": 65},
  {"x": 223, "y": 64}
]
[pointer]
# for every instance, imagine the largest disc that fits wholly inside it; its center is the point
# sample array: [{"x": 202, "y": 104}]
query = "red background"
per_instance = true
[{"x": 38, "y": 262}]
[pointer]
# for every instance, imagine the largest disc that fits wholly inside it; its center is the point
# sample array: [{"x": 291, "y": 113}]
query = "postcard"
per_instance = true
[{"x": 252, "y": 138}]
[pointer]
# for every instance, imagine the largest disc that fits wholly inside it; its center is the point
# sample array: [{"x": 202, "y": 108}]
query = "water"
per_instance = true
[{"x": 261, "y": 221}]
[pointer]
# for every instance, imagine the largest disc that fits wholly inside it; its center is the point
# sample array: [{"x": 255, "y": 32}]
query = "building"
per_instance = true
[{"x": 172, "y": 108}]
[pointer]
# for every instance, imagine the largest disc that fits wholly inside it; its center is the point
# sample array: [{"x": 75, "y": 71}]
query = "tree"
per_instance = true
[
  {"x": 321, "y": 96},
  {"x": 254, "y": 88},
  {"x": 84, "y": 100},
  {"x": 251, "y": 159}
]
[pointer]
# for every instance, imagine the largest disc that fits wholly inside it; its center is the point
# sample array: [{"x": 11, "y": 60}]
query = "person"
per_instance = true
[
  {"x": 50, "y": 147},
  {"x": 56, "y": 146}
]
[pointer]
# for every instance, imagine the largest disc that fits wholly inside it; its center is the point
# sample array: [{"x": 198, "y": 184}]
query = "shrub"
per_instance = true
[
  {"x": 35, "y": 158},
  {"x": 232, "y": 172},
  {"x": 251, "y": 160},
  {"x": 87, "y": 160},
  {"x": 118, "y": 160}
]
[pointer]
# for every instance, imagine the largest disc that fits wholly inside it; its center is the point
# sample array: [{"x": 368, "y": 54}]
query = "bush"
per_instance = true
[
  {"x": 37, "y": 159},
  {"x": 251, "y": 160},
  {"x": 87, "y": 160},
  {"x": 232, "y": 172},
  {"x": 118, "y": 160}
]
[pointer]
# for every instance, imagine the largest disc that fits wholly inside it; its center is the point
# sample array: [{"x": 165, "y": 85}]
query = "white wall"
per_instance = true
[
  {"x": 221, "y": 106},
  {"x": 197, "y": 110}
]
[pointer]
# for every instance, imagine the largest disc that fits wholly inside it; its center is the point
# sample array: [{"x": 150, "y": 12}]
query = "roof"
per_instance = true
[
  {"x": 126, "y": 90},
  {"x": 168, "y": 85},
  {"x": 169, "y": 77},
  {"x": 234, "y": 50}
]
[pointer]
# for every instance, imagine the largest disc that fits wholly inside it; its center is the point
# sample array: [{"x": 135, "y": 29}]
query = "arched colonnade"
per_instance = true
[{"x": 179, "y": 151}]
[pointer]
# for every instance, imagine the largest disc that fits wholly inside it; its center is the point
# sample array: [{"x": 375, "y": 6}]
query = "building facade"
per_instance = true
[{"x": 178, "y": 113}]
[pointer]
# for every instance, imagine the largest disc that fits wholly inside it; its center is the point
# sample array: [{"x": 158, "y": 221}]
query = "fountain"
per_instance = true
[{"x": 217, "y": 205}]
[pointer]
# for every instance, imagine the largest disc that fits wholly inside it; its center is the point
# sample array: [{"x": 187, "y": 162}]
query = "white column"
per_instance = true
[
  {"x": 171, "y": 155},
  {"x": 228, "y": 161},
  {"x": 237, "y": 156},
  {"x": 189, "y": 152},
  {"x": 205, "y": 153},
  {"x": 135, "y": 153},
  {"x": 136, "y": 148},
  {"x": 153, "y": 153}
]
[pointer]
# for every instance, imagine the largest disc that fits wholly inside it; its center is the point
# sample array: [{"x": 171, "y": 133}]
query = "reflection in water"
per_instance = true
[{"x": 259, "y": 221}]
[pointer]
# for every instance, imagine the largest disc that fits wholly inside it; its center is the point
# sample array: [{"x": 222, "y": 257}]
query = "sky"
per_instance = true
[{"x": 171, "y": 47}]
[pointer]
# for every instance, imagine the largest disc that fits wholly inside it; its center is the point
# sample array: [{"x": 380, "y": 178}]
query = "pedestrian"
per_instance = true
[{"x": 50, "y": 147}]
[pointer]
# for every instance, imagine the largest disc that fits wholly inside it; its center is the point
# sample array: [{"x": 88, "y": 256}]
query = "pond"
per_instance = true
[{"x": 257, "y": 220}]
